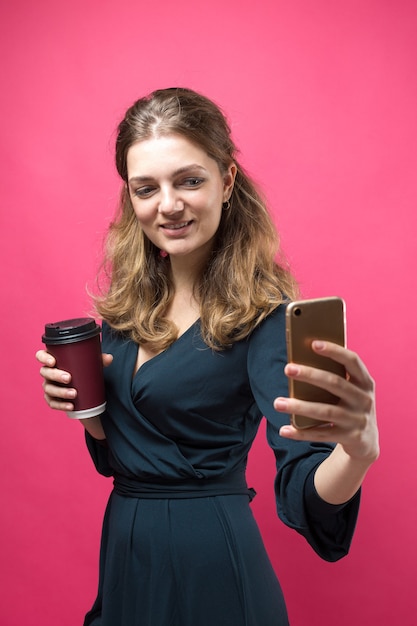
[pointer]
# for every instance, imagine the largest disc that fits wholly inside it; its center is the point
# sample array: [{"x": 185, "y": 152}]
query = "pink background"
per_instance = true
[{"x": 323, "y": 99}]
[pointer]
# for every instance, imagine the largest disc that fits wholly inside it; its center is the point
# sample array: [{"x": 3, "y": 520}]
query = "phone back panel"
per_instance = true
[{"x": 306, "y": 320}]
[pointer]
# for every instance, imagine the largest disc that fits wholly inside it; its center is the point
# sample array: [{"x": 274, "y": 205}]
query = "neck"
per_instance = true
[
  {"x": 186, "y": 271},
  {"x": 184, "y": 309}
]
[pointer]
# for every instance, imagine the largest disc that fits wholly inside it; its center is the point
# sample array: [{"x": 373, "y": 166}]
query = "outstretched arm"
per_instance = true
[{"x": 351, "y": 423}]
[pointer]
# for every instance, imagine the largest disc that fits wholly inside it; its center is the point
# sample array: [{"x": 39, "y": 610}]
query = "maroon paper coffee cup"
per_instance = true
[{"x": 76, "y": 346}]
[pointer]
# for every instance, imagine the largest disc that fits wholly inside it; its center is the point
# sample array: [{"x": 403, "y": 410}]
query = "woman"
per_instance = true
[{"x": 194, "y": 342}]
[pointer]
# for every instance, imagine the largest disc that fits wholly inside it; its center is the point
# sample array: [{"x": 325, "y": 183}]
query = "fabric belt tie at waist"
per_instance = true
[{"x": 230, "y": 484}]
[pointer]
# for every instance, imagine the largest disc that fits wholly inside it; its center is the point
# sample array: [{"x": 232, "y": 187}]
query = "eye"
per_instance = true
[
  {"x": 143, "y": 192},
  {"x": 193, "y": 181}
]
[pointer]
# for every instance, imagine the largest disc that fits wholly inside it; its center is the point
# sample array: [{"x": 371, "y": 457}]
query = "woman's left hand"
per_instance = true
[{"x": 352, "y": 421}]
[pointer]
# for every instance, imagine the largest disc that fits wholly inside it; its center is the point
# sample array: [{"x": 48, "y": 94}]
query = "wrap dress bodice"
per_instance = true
[{"x": 188, "y": 417}]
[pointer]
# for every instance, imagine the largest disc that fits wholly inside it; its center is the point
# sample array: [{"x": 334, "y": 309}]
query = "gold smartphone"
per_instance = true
[{"x": 306, "y": 320}]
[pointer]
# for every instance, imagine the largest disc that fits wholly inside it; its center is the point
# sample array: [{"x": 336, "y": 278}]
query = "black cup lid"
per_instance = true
[{"x": 69, "y": 331}]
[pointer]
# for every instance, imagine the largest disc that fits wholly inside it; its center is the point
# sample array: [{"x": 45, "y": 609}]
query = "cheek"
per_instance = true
[
  {"x": 216, "y": 211},
  {"x": 143, "y": 214},
  {"x": 211, "y": 204}
]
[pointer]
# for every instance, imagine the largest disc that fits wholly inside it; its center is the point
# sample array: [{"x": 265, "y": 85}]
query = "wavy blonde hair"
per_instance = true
[{"x": 241, "y": 283}]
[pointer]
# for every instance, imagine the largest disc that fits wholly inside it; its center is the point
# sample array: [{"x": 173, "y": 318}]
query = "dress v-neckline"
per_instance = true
[{"x": 170, "y": 347}]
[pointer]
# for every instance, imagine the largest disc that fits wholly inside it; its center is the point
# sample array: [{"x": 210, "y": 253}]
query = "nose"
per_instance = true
[{"x": 170, "y": 202}]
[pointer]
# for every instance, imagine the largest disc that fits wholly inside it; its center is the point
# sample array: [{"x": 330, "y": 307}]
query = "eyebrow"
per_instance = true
[{"x": 182, "y": 170}]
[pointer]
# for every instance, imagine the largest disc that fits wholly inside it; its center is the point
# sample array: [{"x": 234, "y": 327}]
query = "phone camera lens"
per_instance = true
[{"x": 297, "y": 311}]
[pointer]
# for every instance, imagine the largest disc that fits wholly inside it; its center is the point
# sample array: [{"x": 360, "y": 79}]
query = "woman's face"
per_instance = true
[{"x": 177, "y": 192}]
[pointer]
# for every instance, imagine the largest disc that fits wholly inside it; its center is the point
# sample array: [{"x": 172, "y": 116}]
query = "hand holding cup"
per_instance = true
[{"x": 73, "y": 347}]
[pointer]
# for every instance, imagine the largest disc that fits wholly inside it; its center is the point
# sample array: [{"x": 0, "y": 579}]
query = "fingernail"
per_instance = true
[
  {"x": 292, "y": 370},
  {"x": 65, "y": 378},
  {"x": 318, "y": 345},
  {"x": 280, "y": 403}
]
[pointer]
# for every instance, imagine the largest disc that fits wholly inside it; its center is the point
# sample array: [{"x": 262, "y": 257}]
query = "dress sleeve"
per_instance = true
[
  {"x": 328, "y": 528},
  {"x": 98, "y": 449},
  {"x": 99, "y": 453}
]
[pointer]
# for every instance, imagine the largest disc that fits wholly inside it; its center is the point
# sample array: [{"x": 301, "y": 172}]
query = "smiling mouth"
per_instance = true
[{"x": 176, "y": 226}]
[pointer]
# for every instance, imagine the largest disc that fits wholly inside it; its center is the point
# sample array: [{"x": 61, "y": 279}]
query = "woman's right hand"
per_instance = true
[
  {"x": 56, "y": 384},
  {"x": 58, "y": 394}
]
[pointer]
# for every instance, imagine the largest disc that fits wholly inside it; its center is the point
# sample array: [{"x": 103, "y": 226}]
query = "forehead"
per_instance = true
[{"x": 162, "y": 153}]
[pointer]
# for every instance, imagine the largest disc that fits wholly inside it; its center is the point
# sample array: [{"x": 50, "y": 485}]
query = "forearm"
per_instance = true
[
  {"x": 94, "y": 427},
  {"x": 339, "y": 476}
]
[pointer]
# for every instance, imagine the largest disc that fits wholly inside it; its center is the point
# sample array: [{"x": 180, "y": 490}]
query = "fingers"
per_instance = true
[
  {"x": 355, "y": 367},
  {"x": 354, "y": 430},
  {"x": 356, "y": 391},
  {"x": 332, "y": 417},
  {"x": 325, "y": 433},
  {"x": 57, "y": 394},
  {"x": 352, "y": 420},
  {"x": 107, "y": 359},
  {"x": 59, "y": 403},
  {"x": 56, "y": 391},
  {"x": 48, "y": 370},
  {"x": 349, "y": 393},
  {"x": 45, "y": 358}
]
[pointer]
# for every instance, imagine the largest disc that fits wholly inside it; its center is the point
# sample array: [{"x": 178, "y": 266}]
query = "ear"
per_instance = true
[{"x": 229, "y": 181}]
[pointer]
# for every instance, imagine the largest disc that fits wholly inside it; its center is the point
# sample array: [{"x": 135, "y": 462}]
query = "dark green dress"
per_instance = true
[{"x": 180, "y": 546}]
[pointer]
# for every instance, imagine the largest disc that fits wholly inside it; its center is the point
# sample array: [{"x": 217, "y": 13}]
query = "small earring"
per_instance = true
[
  {"x": 163, "y": 254},
  {"x": 226, "y": 205}
]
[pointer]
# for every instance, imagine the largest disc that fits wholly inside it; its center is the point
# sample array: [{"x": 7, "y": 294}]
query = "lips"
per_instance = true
[{"x": 176, "y": 226}]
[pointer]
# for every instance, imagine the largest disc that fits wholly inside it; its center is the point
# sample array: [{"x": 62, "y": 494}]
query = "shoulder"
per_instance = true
[
  {"x": 273, "y": 325},
  {"x": 267, "y": 343},
  {"x": 112, "y": 337},
  {"x": 267, "y": 357}
]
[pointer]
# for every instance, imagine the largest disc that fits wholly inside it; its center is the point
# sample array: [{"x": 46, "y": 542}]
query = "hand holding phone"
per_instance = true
[{"x": 306, "y": 321}]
